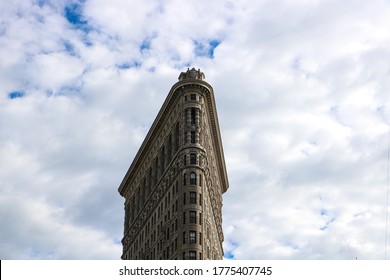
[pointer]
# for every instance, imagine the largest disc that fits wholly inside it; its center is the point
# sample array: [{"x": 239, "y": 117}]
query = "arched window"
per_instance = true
[{"x": 193, "y": 178}]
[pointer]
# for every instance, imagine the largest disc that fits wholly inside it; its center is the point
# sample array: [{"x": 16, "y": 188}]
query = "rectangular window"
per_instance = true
[
  {"x": 184, "y": 198},
  {"x": 193, "y": 116},
  {"x": 192, "y": 255},
  {"x": 193, "y": 96},
  {"x": 193, "y": 217},
  {"x": 193, "y": 197},
  {"x": 193, "y": 137},
  {"x": 192, "y": 238},
  {"x": 192, "y": 158},
  {"x": 184, "y": 237},
  {"x": 185, "y": 159},
  {"x": 184, "y": 218}
]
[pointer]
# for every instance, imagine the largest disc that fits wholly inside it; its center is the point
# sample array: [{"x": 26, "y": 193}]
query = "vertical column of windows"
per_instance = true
[{"x": 192, "y": 120}]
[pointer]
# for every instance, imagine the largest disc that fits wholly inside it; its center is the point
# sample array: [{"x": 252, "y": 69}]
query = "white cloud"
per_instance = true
[{"x": 301, "y": 90}]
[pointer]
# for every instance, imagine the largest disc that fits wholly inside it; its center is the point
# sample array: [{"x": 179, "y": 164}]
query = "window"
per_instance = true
[
  {"x": 169, "y": 152},
  {"x": 185, "y": 159},
  {"x": 162, "y": 159},
  {"x": 193, "y": 137},
  {"x": 184, "y": 237},
  {"x": 192, "y": 158},
  {"x": 185, "y": 179},
  {"x": 193, "y": 197},
  {"x": 193, "y": 217},
  {"x": 192, "y": 255},
  {"x": 184, "y": 198},
  {"x": 193, "y": 96},
  {"x": 193, "y": 116},
  {"x": 177, "y": 132},
  {"x": 184, "y": 218},
  {"x": 192, "y": 238},
  {"x": 193, "y": 178}
]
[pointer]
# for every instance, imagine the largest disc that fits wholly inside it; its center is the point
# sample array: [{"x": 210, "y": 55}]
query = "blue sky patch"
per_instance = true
[
  {"x": 229, "y": 255},
  {"x": 15, "y": 94},
  {"x": 74, "y": 15},
  {"x": 128, "y": 65},
  {"x": 69, "y": 48},
  {"x": 145, "y": 45},
  {"x": 206, "y": 49}
]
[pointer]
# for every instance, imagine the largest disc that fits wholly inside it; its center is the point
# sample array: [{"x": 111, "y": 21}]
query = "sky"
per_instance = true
[{"x": 302, "y": 91}]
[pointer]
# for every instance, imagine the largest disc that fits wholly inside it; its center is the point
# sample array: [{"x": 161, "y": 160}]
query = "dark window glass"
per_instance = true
[
  {"x": 192, "y": 158},
  {"x": 192, "y": 255},
  {"x": 192, "y": 238},
  {"x": 193, "y": 137},
  {"x": 193, "y": 96},
  {"x": 193, "y": 217},
  {"x": 193, "y": 197},
  {"x": 193, "y": 178},
  {"x": 193, "y": 116}
]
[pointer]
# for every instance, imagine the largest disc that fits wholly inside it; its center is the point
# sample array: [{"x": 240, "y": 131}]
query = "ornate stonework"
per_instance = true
[
  {"x": 173, "y": 189},
  {"x": 191, "y": 74}
]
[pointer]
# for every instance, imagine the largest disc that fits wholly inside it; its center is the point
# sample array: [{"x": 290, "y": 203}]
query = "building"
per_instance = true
[{"x": 173, "y": 189}]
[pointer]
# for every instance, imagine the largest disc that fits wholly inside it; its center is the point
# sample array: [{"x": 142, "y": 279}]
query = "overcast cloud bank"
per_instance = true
[{"x": 302, "y": 90}]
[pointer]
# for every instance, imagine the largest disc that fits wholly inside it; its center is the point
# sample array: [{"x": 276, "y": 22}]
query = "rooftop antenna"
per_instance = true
[{"x": 387, "y": 195}]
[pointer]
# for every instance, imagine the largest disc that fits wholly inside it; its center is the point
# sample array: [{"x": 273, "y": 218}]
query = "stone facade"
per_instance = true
[{"x": 173, "y": 189}]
